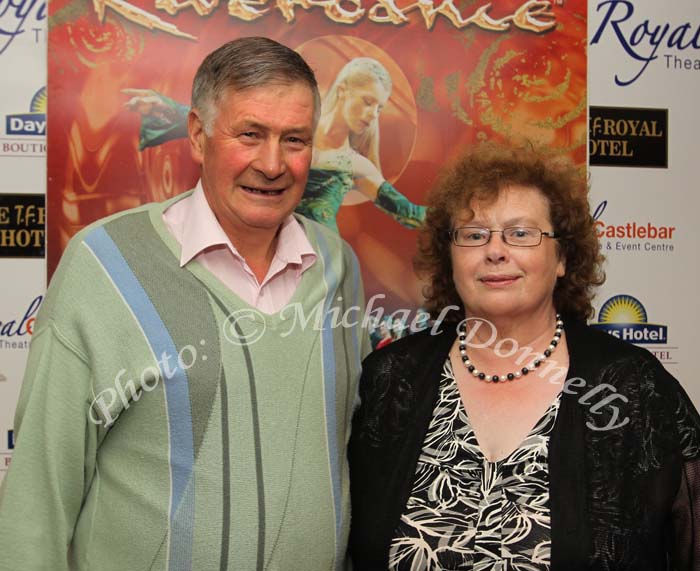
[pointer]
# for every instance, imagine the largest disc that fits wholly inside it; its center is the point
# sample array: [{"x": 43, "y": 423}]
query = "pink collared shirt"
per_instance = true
[{"x": 193, "y": 224}]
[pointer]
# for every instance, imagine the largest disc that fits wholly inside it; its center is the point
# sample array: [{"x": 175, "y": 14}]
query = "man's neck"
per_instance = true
[{"x": 257, "y": 246}]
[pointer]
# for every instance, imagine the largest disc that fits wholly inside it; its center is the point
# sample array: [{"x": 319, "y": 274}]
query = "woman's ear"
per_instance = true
[{"x": 342, "y": 89}]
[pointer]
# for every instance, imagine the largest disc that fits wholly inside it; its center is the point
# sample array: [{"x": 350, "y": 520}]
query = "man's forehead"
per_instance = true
[{"x": 291, "y": 104}]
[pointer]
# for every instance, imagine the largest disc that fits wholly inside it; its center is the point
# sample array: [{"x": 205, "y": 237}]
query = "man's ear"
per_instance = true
[{"x": 196, "y": 135}]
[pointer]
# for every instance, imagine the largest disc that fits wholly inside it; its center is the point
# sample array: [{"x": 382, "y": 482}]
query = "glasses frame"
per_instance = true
[{"x": 543, "y": 233}]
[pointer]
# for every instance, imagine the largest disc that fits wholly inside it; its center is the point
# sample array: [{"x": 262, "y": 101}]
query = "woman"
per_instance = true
[
  {"x": 471, "y": 449},
  {"x": 346, "y": 142}
]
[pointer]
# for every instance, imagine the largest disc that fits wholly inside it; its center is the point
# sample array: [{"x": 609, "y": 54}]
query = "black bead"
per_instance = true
[
  {"x": 462, "y": 337},
  {"x": 471, "y": 368},
  {"x": 465, "y": 358},
  {"x": 554, "y": 342},
  {"x": 547, "y": 352},
  {"x": 537, "y": 363},
  {"x": 524, "y": 370},
  {"x": 495, "y": 378},
  {"x": 511, "y": 376},
  {"x": 557, "y": 334},
  {"x": 482, "y": 376}
]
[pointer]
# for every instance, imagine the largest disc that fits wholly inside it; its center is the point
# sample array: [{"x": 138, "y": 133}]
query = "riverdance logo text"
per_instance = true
[{"x": 533, "y": 15}]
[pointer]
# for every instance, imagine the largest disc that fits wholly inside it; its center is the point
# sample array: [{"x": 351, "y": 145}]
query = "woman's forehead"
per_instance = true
[{"x": 511, "y": 202}]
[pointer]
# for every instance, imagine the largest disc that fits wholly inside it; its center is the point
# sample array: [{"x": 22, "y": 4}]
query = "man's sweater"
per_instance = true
[{"x": 164, "y": 423}]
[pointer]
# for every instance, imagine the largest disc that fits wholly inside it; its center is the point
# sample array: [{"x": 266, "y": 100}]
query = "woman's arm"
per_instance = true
[
  {"x": 162, "y": 118},
  {"x": 370, "y": 182}
]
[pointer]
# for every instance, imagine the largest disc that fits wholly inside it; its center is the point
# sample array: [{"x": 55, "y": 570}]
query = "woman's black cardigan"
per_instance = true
[{"x": 624, "y": 498}]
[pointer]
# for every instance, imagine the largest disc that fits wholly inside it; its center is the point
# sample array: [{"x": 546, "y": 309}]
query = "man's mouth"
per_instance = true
[{"x": 263, "y": 191}]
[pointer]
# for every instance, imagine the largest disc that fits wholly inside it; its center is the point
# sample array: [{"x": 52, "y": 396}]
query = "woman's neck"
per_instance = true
[
  {"x": 490, "y": 340},
  {"x": 332, "y": 132}
]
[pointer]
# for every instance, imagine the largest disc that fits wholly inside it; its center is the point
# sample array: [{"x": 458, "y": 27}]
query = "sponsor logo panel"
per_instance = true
[
  {"x": 623, "y": 316},
  {"x": 673, "y": 43},
  {"x": 17, "y": 329},
  {"x": 22, "y": 222},
  {"x": 23, "y": 20},
  {"x": 25, "y": 132},
  {"x": 644, "y": 237},
  {"x": 628, "y": 137}
]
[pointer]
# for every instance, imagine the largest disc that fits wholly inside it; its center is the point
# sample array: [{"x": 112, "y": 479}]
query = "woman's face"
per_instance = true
[
  {"x": 361, "y": 104},
  {"x": 497, "y": 280}
]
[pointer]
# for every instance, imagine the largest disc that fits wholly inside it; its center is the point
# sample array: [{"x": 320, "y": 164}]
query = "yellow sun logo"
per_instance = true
[
  {"x": 622, "y": 309},
  {"x": 38, "y": 104}
]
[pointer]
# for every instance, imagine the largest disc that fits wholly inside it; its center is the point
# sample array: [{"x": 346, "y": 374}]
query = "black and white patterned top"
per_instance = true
[{"x": 465, "y": 512}]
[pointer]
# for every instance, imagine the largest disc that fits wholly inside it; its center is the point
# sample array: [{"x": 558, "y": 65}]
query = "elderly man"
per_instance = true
[{"x": 189, "y": 388}]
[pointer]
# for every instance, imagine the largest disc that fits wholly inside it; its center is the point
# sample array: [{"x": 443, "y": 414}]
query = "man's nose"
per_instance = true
[{"x": 270, "y": 160}]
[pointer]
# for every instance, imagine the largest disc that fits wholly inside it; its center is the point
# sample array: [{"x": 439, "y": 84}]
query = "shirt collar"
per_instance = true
[{"x": 201, "y": 230}]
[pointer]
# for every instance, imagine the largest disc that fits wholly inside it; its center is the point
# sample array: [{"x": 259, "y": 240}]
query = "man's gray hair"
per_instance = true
[{"x": 247, "y": 63}]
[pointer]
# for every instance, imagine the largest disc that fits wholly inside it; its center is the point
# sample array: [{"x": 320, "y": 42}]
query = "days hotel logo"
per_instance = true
[
  {"x": 624, "y": 317},
  {"x": 32, "y": 123}
]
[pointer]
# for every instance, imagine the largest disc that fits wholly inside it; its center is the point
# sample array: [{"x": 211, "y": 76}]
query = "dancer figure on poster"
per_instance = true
[{"x": 346, "y": 154}]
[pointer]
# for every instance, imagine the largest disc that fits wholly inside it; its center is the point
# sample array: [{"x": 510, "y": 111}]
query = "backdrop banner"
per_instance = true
[{"x": 645, "y": 75}]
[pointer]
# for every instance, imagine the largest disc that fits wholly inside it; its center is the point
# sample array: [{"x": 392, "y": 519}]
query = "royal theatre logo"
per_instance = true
[
  {"x": 26, "y": 132},
  {"x": 16, "y": 332},
  {"x": 624, "y": 317},
  {"x": 673, "y": 43}
]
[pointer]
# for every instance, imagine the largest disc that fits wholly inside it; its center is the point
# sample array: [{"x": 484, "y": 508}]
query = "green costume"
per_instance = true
[
  {"x": 165, "y": 424},
  {"x": 325, "y": 188}
]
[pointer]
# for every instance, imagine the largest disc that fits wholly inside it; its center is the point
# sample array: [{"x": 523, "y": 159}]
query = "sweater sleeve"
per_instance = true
[{"x": 53, "y": 459}]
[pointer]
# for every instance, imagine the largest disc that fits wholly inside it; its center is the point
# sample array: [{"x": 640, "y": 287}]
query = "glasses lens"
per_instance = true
[
  {"x": 522, "y": 236},
  {"x": 471, "y": 236}
]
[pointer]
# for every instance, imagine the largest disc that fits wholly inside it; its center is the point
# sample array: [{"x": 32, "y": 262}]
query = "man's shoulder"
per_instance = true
[{"x": 126, "y": 216}]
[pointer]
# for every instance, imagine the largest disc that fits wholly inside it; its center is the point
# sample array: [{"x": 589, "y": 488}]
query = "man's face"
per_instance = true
[{"x": 256, "y": 160}]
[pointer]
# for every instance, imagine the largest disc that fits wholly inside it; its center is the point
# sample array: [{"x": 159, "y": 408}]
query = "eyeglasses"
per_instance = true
[{"x": 521, "y": 236}]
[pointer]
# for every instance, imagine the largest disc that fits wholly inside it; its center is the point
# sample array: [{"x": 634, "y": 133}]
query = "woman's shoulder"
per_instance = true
[
  {"x": 602, "y": 349},
  {"x": 413, "y": 347},
  {"x": 645, "y": 389}
]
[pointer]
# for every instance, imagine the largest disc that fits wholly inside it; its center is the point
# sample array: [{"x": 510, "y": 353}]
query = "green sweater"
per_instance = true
[{"x": 164, "y": 423}]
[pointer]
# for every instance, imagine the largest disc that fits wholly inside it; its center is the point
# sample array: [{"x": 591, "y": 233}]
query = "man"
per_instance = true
[{"x": 187, "y": 402}]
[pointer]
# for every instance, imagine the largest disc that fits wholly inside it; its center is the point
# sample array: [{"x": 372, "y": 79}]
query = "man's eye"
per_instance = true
[
  {"x": 296, "y": 142},
  {"x": 249, "y": 134}
]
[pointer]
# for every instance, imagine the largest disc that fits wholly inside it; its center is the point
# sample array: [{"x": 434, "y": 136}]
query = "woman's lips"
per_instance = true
[{"x": 499, "y": 280}]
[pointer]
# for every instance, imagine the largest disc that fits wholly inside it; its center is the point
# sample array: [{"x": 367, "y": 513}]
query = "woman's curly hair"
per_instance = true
[{"x": 480, "y": 174}]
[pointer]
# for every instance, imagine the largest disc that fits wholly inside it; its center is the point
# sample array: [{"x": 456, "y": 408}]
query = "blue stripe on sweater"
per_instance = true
[
  {"x": 176, "y": 394},
  {"x": 329, "y": 381}
]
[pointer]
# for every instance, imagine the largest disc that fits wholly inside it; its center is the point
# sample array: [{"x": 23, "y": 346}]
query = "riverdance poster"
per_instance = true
[{"x": 450, "y": 73}]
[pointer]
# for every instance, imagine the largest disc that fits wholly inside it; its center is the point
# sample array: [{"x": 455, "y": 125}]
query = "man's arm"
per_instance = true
[{"x": 43, "y": 491}]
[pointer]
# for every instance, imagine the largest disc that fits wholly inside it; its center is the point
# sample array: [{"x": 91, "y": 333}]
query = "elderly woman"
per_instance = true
[{"x": 514, "y": 436}]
